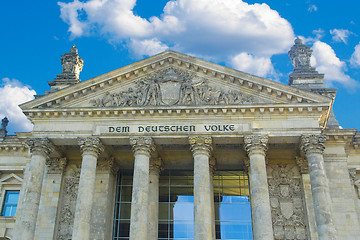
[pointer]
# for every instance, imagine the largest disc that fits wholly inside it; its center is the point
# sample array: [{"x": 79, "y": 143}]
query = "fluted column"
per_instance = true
[
  {"x": 156, "y": 167},
  {"x": 91, "y": 148},
  {"x": 256, "y": 147},
  {"x": 313, "y": 147},
  {"x": 142, "y": 148},
  {"x": 40, "y": 149},
  {"x": 201, "y": 149}
]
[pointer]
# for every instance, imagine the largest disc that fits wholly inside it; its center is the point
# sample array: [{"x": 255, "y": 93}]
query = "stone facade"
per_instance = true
[{"x": 173, "y": 111}]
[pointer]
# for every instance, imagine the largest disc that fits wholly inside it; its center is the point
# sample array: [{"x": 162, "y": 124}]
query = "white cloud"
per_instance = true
[
  {"x": 260, "y": 66},
  {"x": 355, "y": 57},
  {"x": 312, "y": 8},
  {"x": 12, "y": 94},
  {"x": 147, "y": 47},
  {"x": 326, "y": 61},
  {"x": 204, "y": 28},
  {"x": 340, "y": 35}
]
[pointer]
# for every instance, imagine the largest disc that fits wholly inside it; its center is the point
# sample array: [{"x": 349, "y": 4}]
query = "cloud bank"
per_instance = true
[
  {"x": 219, "y": 30},
  {"x": 12, "y": 94},
  {"x": 326, "y": 61}
]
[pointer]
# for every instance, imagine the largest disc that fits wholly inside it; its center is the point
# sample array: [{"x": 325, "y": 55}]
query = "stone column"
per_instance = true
[
  {"x": 256, "y": 147},
  {"x": 155, "y": 169},
  {"x": 313, "y": 147},
  {"x": 142, "y": 148},
  {"x": 212, "y": 166},
  {"x": 40, "y": 149},
  {"x": 201, "y": 149},
  {"x": 50, "y": 197},
  {"x": 90, "y": 149}
]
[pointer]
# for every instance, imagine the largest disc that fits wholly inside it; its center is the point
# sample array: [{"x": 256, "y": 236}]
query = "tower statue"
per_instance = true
[
  {"x": 3, "y": 131},
  {"x": 72, "y": 65}
]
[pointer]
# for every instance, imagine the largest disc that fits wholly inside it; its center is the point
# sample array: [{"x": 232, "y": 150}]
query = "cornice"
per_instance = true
[
  {"x": 295, "y": 109},
  {"x": 157, "y": 62}
]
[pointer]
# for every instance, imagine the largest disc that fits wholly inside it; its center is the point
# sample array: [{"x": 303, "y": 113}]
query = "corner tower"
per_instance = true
[{"x": 72, "y": 65}]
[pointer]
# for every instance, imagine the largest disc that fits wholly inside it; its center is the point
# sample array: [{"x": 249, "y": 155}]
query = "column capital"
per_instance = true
[
  {"x": 41, "y": 146},
  {"x": 107, "y": 165},
  {"x": 90, "y": 145},
  {"x": 200, "y": 144},
  {"x": 142, "y": 145},
  {"x": 156, "y": 164},
  {"x": 256, "y": 144},
  {"x": 312, "y": 144},
  {"x": 56, "y": 165}
]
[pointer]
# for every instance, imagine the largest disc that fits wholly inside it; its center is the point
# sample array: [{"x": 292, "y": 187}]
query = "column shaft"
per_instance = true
[
  {"x": 91, "y": 148},
  {"x": 142, "y": 147},
  {"x": 256, "y": 147},
  {"x": 155, "y": 168},
  {"x": 203, "y": 210},
  {"x": 313, "y": 147},
  {"x": 40, "y": 149}
]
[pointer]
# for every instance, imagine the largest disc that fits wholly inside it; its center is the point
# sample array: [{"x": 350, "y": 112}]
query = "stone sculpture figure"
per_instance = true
[{"x": 3, "y": 131}]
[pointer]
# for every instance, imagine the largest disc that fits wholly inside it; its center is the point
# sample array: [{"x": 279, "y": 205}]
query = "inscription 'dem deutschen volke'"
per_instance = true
[{"x": 172, "y": 128}]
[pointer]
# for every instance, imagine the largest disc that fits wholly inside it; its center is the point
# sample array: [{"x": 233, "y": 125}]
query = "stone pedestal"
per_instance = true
[
  {"x": 203, "y": 205},
  {"x": 90, "y": 150},
  {"x": 142, "y": 147},
  {"x": 155, "y": 169},
  {"x": 313, "y": 147},
  {"x": 256, "y": 147},
  {"x": 40, "y": 149}
]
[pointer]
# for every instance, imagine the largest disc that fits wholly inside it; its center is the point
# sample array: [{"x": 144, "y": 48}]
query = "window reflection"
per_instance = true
[{"x": 232, "y": 205}]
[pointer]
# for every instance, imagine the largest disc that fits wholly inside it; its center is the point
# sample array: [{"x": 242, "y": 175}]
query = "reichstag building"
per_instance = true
[{"x": 177, "y": 148}]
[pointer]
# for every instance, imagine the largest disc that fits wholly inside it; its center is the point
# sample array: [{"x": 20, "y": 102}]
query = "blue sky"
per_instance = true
[{"x": 252, "y": 36}]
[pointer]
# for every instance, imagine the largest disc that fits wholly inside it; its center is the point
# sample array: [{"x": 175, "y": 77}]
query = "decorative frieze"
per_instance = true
[
  {"x": 142, "y": 145},
  {"x": 312, "y": 144},
  {"x": 56, "y": 165},
  {"x": 256, "y": 144},
  {"x": 173, "y": 86},
  {"x": 286, "y": 200},
  {"x": 200, "y": 144},
  {"x": 91, "y": 145}
]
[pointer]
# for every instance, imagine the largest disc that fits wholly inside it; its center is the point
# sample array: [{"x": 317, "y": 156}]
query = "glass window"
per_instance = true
[
  {"x": 176, "y": 207},
  {"x": 10, "y": 203},
  {"x": 122, "y": 206},
  {"x": 232, "y": 205}
]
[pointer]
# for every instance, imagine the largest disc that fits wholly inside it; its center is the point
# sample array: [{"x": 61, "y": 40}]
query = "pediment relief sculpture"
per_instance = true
[{"x": 170, "y": 87}]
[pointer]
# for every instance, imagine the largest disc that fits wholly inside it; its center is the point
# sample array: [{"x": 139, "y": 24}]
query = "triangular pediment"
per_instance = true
[
  {"x": 171, "y": 79},
  {"x": 11, "y": 179}
]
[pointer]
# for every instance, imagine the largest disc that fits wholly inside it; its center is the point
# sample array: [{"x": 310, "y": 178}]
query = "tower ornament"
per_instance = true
[{"x": 3, "y": 130}]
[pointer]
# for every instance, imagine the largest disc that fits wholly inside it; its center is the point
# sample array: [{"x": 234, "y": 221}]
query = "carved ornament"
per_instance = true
[
  {"x": 107, "y": 165},
  {"x": 201, "y": 145},
  {"x": 286, "y": 202},
  {"x": 90, "y": 145},
  {"x": 312, "y": 144},
  {"x": 256, "y": 144},
  {"x": 156, "y": 165},
  {"x": 142, "y": 145},
  {"x": 303, "y": 164},
  {"x": 41, "y": 146},
  {"x": 56, "y": 165},
  {"x": 170, "y": 87}
]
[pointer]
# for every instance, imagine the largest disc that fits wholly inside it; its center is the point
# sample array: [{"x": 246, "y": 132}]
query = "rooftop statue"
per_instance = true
[{"x": 3, "y": 131}]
